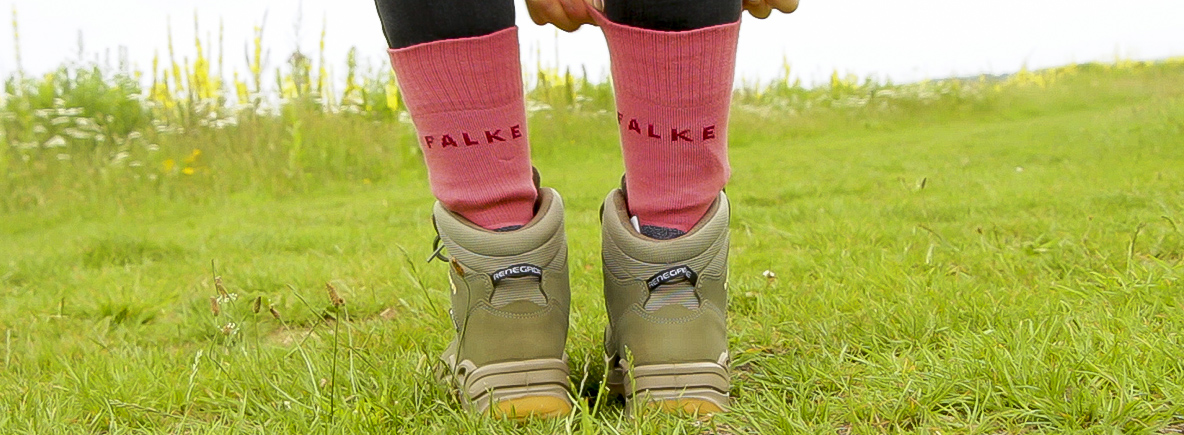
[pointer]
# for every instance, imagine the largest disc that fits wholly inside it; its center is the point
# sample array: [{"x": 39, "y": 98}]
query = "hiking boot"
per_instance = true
[
  {"x": 510, "y": 301},
  {"x": 666, "y": 345}
]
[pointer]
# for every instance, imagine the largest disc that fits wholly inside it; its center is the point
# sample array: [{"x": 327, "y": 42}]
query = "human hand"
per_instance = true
[
  {"x": 567, "y": 15},
  {"x": 762, "y": 8}
]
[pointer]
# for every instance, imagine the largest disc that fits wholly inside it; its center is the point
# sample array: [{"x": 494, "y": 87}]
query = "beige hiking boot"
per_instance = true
[
  {"x": 510, "y": 301},
  {"x": 666, "y": 346}
]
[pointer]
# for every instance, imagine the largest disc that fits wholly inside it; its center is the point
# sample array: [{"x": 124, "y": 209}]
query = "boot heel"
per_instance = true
[
  {"x": 516, "y": 390},
  {"x": 693, "y": 388}
]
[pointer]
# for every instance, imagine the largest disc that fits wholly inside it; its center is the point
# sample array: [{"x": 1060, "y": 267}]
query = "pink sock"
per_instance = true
[
  {"x": 673, "y": 90},
  {"x": 465, "y": 97}
]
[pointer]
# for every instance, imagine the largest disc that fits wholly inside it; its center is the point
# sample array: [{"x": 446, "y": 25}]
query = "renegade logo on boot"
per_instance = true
[
  {"x": 672, "y": 274},
  {"x": 517, "y": 271}
]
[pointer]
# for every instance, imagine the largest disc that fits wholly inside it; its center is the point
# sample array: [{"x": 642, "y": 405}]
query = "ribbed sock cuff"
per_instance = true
[
  {"x": 673, "y": 93},
  {"x": 465, "y": 97}
]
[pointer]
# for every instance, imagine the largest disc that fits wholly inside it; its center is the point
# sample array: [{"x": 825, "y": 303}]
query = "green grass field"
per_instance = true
[{"x": 1010, "y": 264}]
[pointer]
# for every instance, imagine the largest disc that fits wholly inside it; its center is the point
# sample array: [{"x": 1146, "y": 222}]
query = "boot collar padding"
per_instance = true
[
  {"x": 463, "y": 232},
  {"x": 615, "y": 219}
]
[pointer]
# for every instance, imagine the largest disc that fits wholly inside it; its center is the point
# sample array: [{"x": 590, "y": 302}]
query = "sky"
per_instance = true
[{"x": 902, "y": 40}]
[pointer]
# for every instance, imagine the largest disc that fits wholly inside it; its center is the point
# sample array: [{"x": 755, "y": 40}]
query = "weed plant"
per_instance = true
[{"x": 182, "y": 252}]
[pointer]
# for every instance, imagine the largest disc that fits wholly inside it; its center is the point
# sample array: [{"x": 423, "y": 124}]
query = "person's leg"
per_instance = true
[
  {"x": 411, "y": 22},
  {"x": 458, "y": 69},
  {"x": 673, "y": 63},
  {"x": 672, "y": 15},
  {"x": 665, "y": 272}
]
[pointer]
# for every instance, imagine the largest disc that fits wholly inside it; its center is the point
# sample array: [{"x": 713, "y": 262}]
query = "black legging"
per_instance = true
[{"x": 410, "y": 22}]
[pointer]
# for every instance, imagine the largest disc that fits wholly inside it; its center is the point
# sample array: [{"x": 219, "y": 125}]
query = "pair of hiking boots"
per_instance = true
[{"x": 666, "y": 341}]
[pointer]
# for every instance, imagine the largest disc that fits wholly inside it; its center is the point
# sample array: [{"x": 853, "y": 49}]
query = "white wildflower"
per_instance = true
[
  {"x": 86, "y": 123},
  {"x": 55, "y": 142},
  {"x": 76, "y": 133}
]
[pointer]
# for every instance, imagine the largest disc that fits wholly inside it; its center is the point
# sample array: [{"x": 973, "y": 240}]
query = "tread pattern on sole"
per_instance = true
[
  {"x": 700, "y": 388},
  {"x": 516, "y": 389}
]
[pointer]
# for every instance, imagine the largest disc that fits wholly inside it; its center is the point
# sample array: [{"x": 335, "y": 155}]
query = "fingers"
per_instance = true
[
  {"x": 567, "y": 15},
  {"x": 578, "y": 12},
  {"x": 758, "y": 8},
  {"x": 536, "y": 13},
  {"x": 546, "y": 11},
  {"x": 785, "y": 6}
]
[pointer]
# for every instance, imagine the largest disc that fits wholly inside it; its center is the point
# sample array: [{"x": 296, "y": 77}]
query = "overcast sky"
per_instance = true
[{"x": 905, "y": 40}]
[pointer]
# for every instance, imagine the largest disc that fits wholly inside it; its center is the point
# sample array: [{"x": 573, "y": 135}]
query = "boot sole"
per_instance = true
[
  {"x": 690, "y": 388},
  {"x": 516, "y": 390}
]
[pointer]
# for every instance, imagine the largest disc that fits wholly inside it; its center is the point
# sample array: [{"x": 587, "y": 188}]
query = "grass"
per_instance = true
[{"x": 1007, "y": 263}]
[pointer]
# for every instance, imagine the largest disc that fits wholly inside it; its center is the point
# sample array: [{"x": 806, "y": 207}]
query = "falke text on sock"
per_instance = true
[
  {"x": 471, "y": 138},
  {"x": 675, "y": 134}
]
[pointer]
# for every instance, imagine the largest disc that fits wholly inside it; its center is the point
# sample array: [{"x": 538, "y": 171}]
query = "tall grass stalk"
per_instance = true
[{"x": 85, "y": 129}]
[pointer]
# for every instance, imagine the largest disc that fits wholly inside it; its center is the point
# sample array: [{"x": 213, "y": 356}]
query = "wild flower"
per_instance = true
[
  {"x": 76, "y": 133},
  {"x": 55, "y": 142},
  {"x": 227, "y": 298},
  {"x": 87, "y": 124}
]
